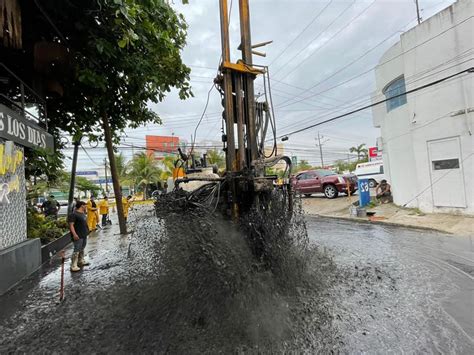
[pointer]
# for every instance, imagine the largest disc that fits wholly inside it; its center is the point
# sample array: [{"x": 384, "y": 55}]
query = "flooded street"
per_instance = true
[
  {"x": 374, "y": 289},
  {"x": 411, "y": 290}
]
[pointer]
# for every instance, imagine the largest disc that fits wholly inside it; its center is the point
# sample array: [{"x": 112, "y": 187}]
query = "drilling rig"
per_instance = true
[{"x": 246, "y": 122}]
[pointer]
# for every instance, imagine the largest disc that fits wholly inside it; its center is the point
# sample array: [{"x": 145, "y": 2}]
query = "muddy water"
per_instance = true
[
  {"x": 403, "y": 290},
  {"x": 189, "y": 283}
]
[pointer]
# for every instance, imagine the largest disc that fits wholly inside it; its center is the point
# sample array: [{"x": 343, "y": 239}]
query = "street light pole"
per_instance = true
[{"x": 418, "y": 12}]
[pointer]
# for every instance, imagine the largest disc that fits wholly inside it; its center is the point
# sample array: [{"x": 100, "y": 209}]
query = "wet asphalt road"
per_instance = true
[
  {"x": 396, "y": 290},
  {"x": 414, "y": 289}
]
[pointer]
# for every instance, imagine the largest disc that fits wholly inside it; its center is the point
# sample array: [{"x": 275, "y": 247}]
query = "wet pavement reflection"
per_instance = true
[
  {"x": 390, "y": 290},
  {"x": 405, "y": 290}
]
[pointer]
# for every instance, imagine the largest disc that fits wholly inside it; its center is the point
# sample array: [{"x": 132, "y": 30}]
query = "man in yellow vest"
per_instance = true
[
  {"x": 104, "y": 209},
  {"x": 126, "y": 204},
  {"x": 92, "y": 214}
]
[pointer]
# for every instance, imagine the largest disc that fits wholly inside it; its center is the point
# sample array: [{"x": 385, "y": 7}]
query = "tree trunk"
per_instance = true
[
  {"x": 113, "y": 171},
  {"x": 72, "y": 183}
]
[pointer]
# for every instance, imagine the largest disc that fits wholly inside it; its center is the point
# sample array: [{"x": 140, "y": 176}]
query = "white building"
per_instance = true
[{"x": 426, "y": 136}]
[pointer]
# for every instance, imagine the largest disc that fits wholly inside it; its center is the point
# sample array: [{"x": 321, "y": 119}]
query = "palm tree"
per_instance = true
[
  {"x": 360, "y": 150},
  {"x": 144, "y": 171},
  {"x": 215, "y": 157},
  {"x": 167, "y": 163},
  {"x": 122, "y": 167}
]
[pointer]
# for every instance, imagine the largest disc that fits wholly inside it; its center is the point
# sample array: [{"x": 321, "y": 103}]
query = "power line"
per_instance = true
[
  {"x": 342, "y": 29},
  {"x": 309, "y": 119},
  {"x": 469, "y": 70},
  {"x": 457, "y": 57},
  {"x": 90, "y": 158},
  {"x": 414, "y": 78},
  {"x": 378, "y": 65},
  {"x": 301, "y": 32},
  {"x": 203, "y": 113},
  {"x": 316, "y": 37}
]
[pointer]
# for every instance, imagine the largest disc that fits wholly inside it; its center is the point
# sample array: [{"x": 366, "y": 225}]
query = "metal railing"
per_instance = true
[{"x": 21, "y": 106}]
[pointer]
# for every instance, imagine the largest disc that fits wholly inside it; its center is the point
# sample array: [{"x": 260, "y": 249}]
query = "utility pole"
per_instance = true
[
  {"x": 106, "y": 178},
  {"x": 418, "y": 12},
  {"x": 321, "y": 149},
  {"x": 113, "y": 172}
]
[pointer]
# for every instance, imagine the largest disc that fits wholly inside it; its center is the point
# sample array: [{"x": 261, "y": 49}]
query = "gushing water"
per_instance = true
[{"x": 223, "y": 286}]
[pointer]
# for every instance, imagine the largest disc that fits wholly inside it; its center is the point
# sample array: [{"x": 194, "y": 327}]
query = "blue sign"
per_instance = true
[
  {"x": 82, "y": 173},
  {"x": 364, "y": 192},
  {"x": 102, "y": 181}
]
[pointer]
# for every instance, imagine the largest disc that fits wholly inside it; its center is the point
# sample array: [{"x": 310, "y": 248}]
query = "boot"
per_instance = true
[
  {"x": 74, "y": 258},
  {"x": 81, "y": 261}
]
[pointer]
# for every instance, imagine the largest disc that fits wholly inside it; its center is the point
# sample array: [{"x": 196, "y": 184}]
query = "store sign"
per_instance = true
[
  {"x": 18, "y": 129},
  {"x": 373, "y": 152}
]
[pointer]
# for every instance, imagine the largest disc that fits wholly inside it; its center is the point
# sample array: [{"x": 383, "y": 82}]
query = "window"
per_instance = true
[
  {"x": 381, "y": 169},
  {"x": 445, "y": 164},
  {"x": 325, "y": 173},
  {"x": 396, "y": 87}
]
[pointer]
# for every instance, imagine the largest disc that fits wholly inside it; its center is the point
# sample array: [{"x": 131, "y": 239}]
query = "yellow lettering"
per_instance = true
[{"x": 9, "y": 163}]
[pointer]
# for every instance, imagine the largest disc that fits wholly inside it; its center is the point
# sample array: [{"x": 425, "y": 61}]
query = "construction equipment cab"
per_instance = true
[{"x": 373, "y": 171}]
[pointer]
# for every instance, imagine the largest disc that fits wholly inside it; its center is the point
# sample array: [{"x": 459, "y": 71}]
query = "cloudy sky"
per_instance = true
[{"x": 320, "y": 50}]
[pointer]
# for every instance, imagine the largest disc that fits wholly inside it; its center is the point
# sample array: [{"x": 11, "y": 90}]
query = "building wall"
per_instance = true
[
  {"x": 12, "y": 195},
  {"x": 160, "y": 145},
  {"x": 440, "y": 46}
]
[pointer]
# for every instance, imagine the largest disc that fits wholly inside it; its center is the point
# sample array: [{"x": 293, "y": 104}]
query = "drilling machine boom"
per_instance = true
[{"x": 245, "y": 157}]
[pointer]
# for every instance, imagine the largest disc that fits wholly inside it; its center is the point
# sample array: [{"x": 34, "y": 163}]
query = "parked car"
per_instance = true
[
  {"x": 325, "y": 181},
  {"x": 373, "y": 171}
]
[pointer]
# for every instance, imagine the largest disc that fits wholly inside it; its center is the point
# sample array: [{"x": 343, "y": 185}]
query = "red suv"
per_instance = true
[{"x": 325, "y": 181}]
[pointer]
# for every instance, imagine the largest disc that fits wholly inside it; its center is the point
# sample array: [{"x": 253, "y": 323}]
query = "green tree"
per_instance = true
[
  {"x": 122, "y": 169},
  {"x": 342, "y": 166},
  {"x": 126, "y": 53},
  {"x": 167, "y": 163},
  {"x": 43, "y": 165},
  {"x": 84, "y": 185},
  {"x": 303, "y": 165},
  {"x": 144, "y": 171},
  {"x": 216, "y": 157},
  {"x": 360, "y": 150}
]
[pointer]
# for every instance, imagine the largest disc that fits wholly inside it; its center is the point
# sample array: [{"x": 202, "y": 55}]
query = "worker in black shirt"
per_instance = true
[
  {"x": 78, "y": 227},
  {"x": 51, "y": 207}
]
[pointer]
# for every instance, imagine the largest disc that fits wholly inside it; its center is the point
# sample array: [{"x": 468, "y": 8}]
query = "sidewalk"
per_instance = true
[
  {"x": 32, "y": 318},
  {"x": 104, "y": 248},
  {"x": 390, "y": 214}
]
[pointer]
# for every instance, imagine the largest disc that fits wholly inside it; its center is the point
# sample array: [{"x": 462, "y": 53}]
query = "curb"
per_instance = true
[
  {"x": 51, "y": 249},
  {"x": 388, "y": 223}
]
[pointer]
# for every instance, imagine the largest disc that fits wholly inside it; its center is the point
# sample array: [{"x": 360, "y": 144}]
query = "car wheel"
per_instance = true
[
  {"x": 372, "y": 183},
  {"x": 330, "y": 191},
  {"x": 307, "y": 195}
]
